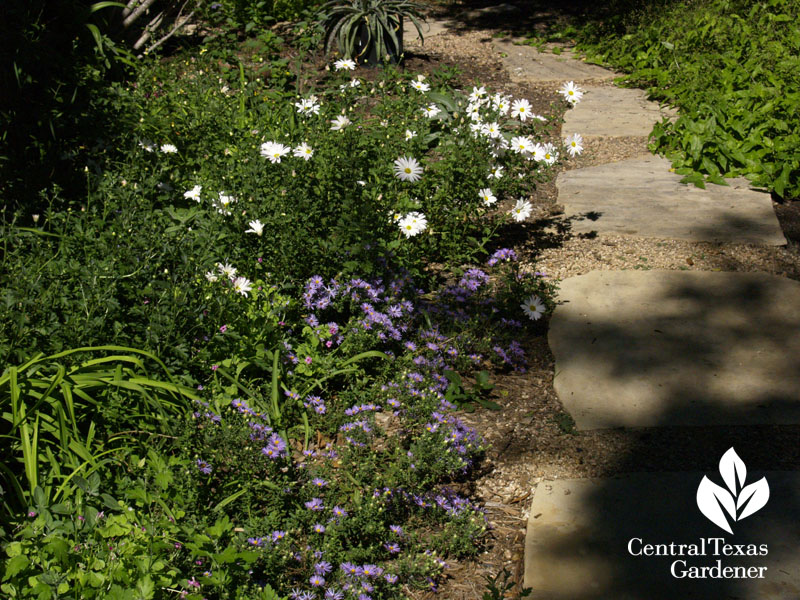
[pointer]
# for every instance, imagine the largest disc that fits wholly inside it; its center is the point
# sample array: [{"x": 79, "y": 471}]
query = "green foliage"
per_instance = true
[
  {"x": 55, "y": 417},
  {"x": 731, "y": 69},
  {"x": 363, "y": 26}
]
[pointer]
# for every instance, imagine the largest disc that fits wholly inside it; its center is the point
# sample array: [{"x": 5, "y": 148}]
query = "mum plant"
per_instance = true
[{"x": 369, "y": 30}]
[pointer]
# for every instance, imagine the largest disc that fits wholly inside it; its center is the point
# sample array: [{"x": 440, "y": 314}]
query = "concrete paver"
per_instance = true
[
  {"x": 676, "y": 348},
  {"x": 579, "y": 531},
  {"x": 527, "y": 64},
  {"x": 613, "y": 111},
  {"x": 642, "y": 197}
]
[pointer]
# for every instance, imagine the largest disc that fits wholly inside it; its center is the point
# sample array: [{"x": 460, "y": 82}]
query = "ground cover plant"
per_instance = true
[
  {"x": 302, "y": 285},
  {"x": 731, "y": 68}
]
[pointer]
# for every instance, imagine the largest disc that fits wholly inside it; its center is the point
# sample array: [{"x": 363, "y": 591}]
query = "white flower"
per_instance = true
[
  {"x": 538, "y": 117},
  {"x": 420, "y": 86},
  {"x": 147, "y": 145},
  {"x": 492, "y": 130},
  {"x": 571, "y": 92},
  {"x": 574, "y": 144},
  {"x": 474, "y": 111},
  {"x": 256, "y": 227},
  {"x": 410, "y": 134},
  {"x": 431, "y": 111},
  {"x": 476, "y": 128},
  {"x": 407, "y": 169},
  {"x": 521, "y": 211},
  {"x": 487, "y": 196},
  {"x": 274, "y": 151},
  {"x": 222, "y": 204},
  {"x": 521, "y": 109},
  {"x": 550, "y": 154},
  {"x": 211, "y": 276},
  {"x": 345, "y": 63},
  {"x": 308, "y": 106},
  {"x": 168, "y": 149},
  {"x": 194, "y": 193},
  {"x": 354, "y": 83},
  {"x": 538, "y": 152},
  {"x": 242, "y": 285},
  {"x": 339, "y": 123},
  {"x": 496, "y": 172},
  {"x": 304, "y": 151},
  {"x": 478, "y": 95},
  {"x": 501, "y": 103},
  {"x": 227, "y": 270},
  {"x": 412, "y": 224},
  {"x": 533, "y": 308},
  {"x": 522, "y": 144}
]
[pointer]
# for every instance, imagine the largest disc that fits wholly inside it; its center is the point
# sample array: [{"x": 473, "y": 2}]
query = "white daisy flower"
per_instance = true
[
  {"x": 412, "y": 224},
  {"x": 420, "y": 86},
  {"x": 571, "y": 92},
  {"x": 147, "y": 145},
  {"x": 431, "y": 110},
  {"x": 501, "y": 103},
  {"x": 304, "y": 151},
  {"x": 211, "y": 276},
  {"x": 574, "y": 144},
  {"x": 492, "y": 130},
  {"x": 478, "y": 95},
  {"x": 339, "y": 123},
  {"x": 169, "y": 148},
  {"x": 538, "y": 153},
  {"x": 407, "y": 169},
  {"x": 354, "y": 83},
  {"x": 496, "y": 172},
  {"x": 474, "y": 111},
  {"x": 242, "y": 285},
  {"x": 533, "y": 308},
  {"x": 345, "y": 63},
  {"x": 521, "y": 109},
  {"x": 308, "y": 106},
  {"x": 410, "y": 135},
  {"x": 222, "y": 204},
  {"x": 521, "y": 211},
  {"x": 256, "y": 227},
  {"x": 227, "y": 270},
  {"x": 550, "y": 154},
  {"x": 194, "y": 193},
  {"x": 538, "y": 117},
  {"x": 487, "y": 196},
  {"x": 522, "y": 144},
  {"x": 274, "y": 151}
]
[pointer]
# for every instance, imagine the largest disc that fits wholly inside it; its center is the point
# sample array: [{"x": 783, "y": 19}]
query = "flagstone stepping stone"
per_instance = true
[
  {"x": 525, "y": 64},
  {"x": 640, "y": 196},
  {"x": 674, "y": 348},
  {"x": 430, "y": 28},
  {"x": 612, "y": 111},
  {"x": 576, "y": 547}
]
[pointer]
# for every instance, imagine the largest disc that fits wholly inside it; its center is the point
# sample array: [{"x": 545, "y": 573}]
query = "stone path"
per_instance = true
[{"x": 663, "y": 349}]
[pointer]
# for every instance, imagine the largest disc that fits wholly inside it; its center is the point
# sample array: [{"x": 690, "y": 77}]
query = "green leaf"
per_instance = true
[{"x": 16, "y": 565}]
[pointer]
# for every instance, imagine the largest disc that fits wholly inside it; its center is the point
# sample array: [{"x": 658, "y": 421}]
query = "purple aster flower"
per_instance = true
[
  {"x": 315, "y": 504},
  {"x": 317, "y": 580},
  {"x": 256, "y": 541},
  {"x": 372, "y": 570},
  {"x": 390, "y": 578},
  {"x": 323, "y": 568},
  {"x": 350, "y": 569},
  {"x": 278, "y": 536},
  {"x": 392, "y": 547},
  {"x": 396, "y": 529},
  {"x": 204, "y": 467},
  {"x": 333, "y": 594},
  {"x": 319, "y": 528},
  {"x": 320, "y": 483}
]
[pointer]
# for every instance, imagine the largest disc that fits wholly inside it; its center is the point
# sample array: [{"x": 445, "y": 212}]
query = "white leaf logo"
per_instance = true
[{"x": 738, "y": 501}]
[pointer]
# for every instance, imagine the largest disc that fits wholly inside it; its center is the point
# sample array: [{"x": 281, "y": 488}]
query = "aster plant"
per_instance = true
[{"x": 369, "y": 30}]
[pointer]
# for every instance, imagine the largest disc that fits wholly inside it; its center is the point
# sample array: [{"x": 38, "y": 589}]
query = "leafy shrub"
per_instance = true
[{"x": 730, "y": 67}]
